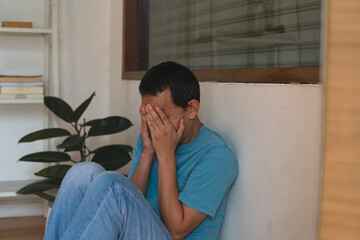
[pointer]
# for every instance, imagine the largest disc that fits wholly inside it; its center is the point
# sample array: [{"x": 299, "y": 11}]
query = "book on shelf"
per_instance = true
[
  {"x": 16, "y": 24},
  {"x": 21, "y": 96},
  {"x": 34, "y": 96},
  {"x": 11, "y": 78},
  {"x": 7, "y": 96},
  {"x": 21, "y": 90},
  {"x": 20, "y": 84}
]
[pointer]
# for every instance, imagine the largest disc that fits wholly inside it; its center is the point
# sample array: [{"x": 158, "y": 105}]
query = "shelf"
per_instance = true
[
  {"x": 7, "y": 194},
  {"x": 21, "y": 101},
  {"x": 8, "y": 189},
  {"x": 25, "y": 31},
  {"x": 16, "y": 205}
]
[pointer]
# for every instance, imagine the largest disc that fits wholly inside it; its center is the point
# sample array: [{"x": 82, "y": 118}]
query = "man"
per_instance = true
[{"x": 182, "y": 168}]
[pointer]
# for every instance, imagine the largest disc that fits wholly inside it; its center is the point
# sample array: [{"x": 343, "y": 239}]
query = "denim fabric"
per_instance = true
[{"x": 95, "y": 204}]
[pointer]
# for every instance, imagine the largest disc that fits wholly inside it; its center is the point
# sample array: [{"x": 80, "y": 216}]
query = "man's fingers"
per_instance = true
[
  {"x": 163, "y": 117},
  {"x": 153, "y": 116},
  {"x": 141, "y": 110},
  {"x": 150, "y": 123},
  {"x": 143, "y": 122},
  {"x": 142, "y": 116}
]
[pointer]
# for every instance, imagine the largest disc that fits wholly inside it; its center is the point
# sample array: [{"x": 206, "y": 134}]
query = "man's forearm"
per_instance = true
[
  {"x": 171, "y": 209},
  {"x": 141, "y": 176}
]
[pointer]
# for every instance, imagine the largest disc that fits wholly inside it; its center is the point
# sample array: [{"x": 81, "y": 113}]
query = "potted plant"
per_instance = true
[{"x": 111, "y": 157}]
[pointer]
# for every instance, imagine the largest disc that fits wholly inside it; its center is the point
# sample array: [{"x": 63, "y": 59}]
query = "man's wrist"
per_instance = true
[
  {"x": 164, "y": 157},
  {"x": 147, "y": 156}
]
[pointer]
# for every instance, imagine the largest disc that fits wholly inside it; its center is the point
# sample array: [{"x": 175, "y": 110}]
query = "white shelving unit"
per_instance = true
[
  {"x": 9, "y": 201},
  {"x": 51, "y": 62},
  {"x": 20, "y": 101},
  {"x": 26, "y": 31},
  {"x": 46, "y": 35}
]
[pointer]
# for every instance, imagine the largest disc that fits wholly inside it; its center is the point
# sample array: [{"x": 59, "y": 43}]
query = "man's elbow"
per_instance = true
[{"x": 177, "y": 235}]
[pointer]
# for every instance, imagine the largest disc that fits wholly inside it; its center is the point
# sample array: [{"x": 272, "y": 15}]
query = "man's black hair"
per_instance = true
[{"x": 182, "y": 83}]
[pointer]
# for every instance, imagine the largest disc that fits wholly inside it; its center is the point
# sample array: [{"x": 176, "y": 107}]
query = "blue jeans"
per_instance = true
[{"x": 95, "y": 204}]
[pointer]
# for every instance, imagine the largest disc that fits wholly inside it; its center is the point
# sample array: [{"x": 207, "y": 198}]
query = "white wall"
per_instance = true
[
  {"x": 84, "y": 56},
  {"x": 275, "y": 130},
  {"x": 15, "y": 122},
  {"x": 276, "y": 133}
]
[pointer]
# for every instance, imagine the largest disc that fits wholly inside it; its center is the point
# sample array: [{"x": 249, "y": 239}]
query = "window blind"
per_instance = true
[{"x": 210, "y": 34}]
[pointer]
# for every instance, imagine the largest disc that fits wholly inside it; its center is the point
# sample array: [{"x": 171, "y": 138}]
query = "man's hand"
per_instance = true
[
  {"x": 165, "y": 137},
  {"x": 141, "y": 175},
  {"x": 148, "y": 148}
]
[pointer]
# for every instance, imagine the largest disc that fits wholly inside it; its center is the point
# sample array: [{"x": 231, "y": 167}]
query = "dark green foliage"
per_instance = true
[
  {"x": 81, "y": 109},
  {"x": 45, "y": 134},
  {"x": 109, "y": 125},
  {"x": 40, "y": 186},
  {"x": 71, "y": 141},
  {"x": 59, "y": 107},
  {"x": 45, "y": 196},
  {"x": 46, "y": 157},
  {"x": 57, "y": 171},
  {"x": 111, "y": 157}
]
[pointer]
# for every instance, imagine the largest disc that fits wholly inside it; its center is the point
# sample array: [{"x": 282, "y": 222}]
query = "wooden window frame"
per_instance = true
[{"x": 306, "y": 75}]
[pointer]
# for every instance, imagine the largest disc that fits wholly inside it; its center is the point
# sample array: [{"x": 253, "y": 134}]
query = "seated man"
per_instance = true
[{"x": 179, "y": 181}]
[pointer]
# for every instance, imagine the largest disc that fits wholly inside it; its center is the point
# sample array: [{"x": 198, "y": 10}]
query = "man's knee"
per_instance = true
[
  {"x": 111, "y": 178},
  {"x": 85, "y": 170},
  {"x": 117, "y": 182}
]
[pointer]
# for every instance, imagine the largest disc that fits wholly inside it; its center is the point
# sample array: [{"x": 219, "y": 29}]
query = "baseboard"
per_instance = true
[{"x": 14, "y": 205}]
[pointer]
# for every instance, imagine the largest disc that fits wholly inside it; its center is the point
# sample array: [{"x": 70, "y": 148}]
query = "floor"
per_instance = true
[{"x": 24, "y": 228}]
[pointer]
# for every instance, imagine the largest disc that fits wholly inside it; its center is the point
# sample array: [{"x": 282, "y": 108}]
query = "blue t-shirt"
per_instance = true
[{"x": 206, "y": 167}]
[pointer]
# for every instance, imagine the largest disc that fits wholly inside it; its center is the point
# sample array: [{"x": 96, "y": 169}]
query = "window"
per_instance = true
[{"x": 272, "y": 41}]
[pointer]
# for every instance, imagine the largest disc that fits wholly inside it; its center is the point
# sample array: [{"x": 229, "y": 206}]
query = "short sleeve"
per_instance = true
[
  {"x": 136, "y": 156},
  {"x": 210, "y": 181}
]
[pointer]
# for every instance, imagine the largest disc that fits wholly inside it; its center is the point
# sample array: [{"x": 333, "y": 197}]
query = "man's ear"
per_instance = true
[{"x": 193, "y": 108}]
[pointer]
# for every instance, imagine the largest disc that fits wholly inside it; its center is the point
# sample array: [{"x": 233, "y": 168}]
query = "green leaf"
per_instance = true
[
  {"x": 57, "y": 171},
  {"x": 40, "y": 186},
  {"x": 111, "y": 157},
  {"x": 72, "y": 148},
  {"x": 44, "y": 134},
  {"x": 46, "y": 157},
  {"x": 127, "y": 148},
  {"x": 91, "y": 123},
  {"x": 59, "y": 107},
  {"x": 70, "y": 141},
  {"x": 45, "y": 196},
  {"x": 109, "y": 125},
  {"x": 81, "y": 109}
]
